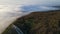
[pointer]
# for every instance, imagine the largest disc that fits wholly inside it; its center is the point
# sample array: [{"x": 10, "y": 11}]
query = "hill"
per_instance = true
[{"x": 40, "y": 22}]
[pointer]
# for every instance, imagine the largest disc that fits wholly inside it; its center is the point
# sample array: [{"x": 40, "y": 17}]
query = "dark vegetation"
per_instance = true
[
  {"x": 10, "y": 30},
  {"x": 40, "y": 23}
]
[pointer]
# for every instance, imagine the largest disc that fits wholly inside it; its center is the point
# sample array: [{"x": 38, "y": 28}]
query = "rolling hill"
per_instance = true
[{"x": 40, "y": 23}]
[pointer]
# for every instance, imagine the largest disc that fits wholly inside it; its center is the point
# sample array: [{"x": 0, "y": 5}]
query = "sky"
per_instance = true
[
  {"x": 11, "y": 9},
  {"x": 13, "y": 6},
  {"x": 28, "y": 2},
  {"x": 16, "y": 5}
]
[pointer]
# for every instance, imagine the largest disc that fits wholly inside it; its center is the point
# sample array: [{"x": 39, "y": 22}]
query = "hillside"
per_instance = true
[{"x": 40, "y": 23}]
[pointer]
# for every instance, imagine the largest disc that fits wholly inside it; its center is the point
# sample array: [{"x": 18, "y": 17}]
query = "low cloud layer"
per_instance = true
[
  {"x": 19, "y": 5},
  {"x": 37, "y": 8},
  {"x": 10, "y": 10}
]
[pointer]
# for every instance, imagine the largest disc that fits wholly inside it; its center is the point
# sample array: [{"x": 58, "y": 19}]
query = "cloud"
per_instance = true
[
  {"x": 13, "y": 8},
  {"x": 4, "y": 9},
  {"x": 29, "y": 2},
  {"x": 37, "y": 8},
  {"x": 15, "y": 5},
  {"x": 8, "y": 14}
]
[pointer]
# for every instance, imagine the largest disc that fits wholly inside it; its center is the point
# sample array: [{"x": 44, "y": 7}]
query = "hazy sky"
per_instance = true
[
  {"x": 13, "y": 8},
  {"x": 28, "y": 2},
  {"x": 11, "y": 5}
]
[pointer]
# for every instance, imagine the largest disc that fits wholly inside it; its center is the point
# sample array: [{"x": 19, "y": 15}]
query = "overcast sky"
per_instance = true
[
  {"x": 7, "y": 6},
  {"x": 13, "y": 8},
  {"x": 28, "y": 2},
  {"x": 18, "y": 5}
]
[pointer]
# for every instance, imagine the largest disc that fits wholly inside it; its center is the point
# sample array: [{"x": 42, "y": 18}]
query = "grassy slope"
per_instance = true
[
  {"x": 10, "y": 30},
  {"x": 39, "y": 23}
]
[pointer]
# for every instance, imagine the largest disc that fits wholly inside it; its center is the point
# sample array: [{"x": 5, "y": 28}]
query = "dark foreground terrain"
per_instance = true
[{"x": 38, "y": 23}]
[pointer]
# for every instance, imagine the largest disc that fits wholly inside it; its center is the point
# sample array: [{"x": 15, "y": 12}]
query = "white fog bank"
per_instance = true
[
  {"x": 8, "y": 14},
  {"x": 10, "y": 10}
]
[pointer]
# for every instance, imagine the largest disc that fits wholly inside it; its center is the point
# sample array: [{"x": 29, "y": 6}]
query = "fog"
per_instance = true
[
  {"x": 10, "y": 10},
  {"x": 8, "y": 14}
]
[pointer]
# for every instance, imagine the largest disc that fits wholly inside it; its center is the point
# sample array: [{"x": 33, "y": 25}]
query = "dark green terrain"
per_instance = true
[{"x": 39, "y": 23}]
